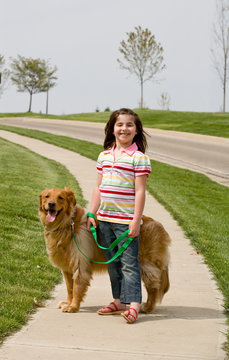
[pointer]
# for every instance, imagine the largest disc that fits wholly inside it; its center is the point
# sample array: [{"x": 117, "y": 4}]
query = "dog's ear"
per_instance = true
[{"x": 70, "y": 196}]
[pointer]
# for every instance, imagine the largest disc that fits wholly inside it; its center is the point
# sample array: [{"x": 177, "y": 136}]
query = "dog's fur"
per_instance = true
[{"x": 77, "y": 270}]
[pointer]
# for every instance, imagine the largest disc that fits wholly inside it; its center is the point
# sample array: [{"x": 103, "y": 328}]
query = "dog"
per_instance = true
[{"x": 59, "y": 211}]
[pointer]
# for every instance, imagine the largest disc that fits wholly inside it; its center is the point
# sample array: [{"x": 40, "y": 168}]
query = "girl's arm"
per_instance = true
[
  {"x": 140, "y": 188},
  {"x": 95, "y": 202}
]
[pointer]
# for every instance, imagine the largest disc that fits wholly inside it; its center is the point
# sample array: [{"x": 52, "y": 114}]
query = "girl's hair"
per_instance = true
[{"x": 139, "y": 139}]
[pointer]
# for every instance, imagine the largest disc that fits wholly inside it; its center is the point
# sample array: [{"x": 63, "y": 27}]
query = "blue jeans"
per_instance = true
[{"x": 124, "y": 272}]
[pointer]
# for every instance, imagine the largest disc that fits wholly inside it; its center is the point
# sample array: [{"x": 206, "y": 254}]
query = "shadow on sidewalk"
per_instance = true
[{"x": 171, "y": 312}]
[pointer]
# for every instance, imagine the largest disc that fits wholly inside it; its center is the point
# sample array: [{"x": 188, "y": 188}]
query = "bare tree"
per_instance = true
[
  {"x": 220, "y": 54},
  {"x": 164, "y": 101},
  {"x": 4, "y": 75},
  {"x": 143, "y": 56}
]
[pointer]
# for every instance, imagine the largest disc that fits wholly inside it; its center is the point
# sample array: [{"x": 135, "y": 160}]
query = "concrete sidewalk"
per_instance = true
[{"x": 189, "y": 324}]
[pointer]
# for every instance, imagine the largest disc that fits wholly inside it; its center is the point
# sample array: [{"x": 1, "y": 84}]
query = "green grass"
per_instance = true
[
  {"x": 199, "y": 205},
  {"x": 215, "y": 124},
  {"x": 25, "y": 270}
]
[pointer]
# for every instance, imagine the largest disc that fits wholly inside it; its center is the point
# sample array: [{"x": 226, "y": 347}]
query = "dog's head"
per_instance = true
[{"x": 56, "y": 205}]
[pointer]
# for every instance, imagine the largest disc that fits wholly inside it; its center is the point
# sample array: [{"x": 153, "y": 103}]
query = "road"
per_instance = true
[{"x": 205, "y": 154}]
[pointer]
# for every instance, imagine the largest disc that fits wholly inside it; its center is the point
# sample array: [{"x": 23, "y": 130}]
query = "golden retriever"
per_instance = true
[{"x": 58, "y": 211}]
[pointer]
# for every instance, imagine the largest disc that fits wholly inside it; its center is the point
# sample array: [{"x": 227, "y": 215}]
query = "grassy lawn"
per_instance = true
[
  {"x": 198, "y": 204},
  {"x": 25, "y": 271},
  {"x": 215, "y": 124}
]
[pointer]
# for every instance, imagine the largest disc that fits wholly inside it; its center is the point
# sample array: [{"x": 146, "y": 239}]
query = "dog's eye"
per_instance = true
[
  {"x": 47, "y": 196},
  {"x": 60, "y": 197}
]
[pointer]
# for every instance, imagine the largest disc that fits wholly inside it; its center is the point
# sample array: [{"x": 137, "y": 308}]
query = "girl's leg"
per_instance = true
[
  {"x": 106, "y": 237},
  {"x": 131, "y": 276},
  {"x": 130, "y": 269}
]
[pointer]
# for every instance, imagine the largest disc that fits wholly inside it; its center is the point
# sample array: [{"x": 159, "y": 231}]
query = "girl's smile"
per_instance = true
[{"x": 124, "y": 130}]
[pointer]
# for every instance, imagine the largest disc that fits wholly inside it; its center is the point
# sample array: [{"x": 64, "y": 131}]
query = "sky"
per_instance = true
[{"x": 82, "y": 38}]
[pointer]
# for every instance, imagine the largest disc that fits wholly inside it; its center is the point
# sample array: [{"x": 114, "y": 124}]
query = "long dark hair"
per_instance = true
[{"x": 140, "y": 137}]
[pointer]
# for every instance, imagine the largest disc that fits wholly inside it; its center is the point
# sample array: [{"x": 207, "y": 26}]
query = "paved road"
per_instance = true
[{"x": 205, "y": 154}]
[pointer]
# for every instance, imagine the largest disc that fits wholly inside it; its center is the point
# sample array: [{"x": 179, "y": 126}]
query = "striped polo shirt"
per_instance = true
[{"x": 117, "y": 188}]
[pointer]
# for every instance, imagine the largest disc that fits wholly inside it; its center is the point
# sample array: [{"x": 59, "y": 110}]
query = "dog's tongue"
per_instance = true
[{"x": 51, "y": 216}]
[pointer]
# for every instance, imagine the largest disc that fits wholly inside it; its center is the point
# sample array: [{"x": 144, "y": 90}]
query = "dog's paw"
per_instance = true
[
  {"x": 145, "y": 308},
  {"x": 69, "y": 309},
  {"x": 62, "y": 304}
]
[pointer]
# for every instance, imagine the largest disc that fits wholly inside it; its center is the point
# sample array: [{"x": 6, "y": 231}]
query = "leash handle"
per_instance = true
[
  {"x": 116, "y": 242},
  {"x": 89, "y": 214}
]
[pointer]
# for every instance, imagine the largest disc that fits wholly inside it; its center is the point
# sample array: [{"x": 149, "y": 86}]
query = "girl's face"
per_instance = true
[{"x": 125, "y": 130}]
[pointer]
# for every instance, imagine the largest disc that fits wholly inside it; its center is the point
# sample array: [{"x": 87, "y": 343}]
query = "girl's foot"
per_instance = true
[
  {"x": 130, "y": 315},
  {"x": 112, "y": 309}
]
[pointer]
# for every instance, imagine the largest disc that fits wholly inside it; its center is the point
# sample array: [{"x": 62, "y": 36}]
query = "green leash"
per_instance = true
[{"x": 117, "y": 241}]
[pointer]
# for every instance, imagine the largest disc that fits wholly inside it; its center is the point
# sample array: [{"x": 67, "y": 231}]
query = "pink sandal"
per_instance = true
[
  {"x": 112, "y": 310},
  {"x": 127, "y": 317}
]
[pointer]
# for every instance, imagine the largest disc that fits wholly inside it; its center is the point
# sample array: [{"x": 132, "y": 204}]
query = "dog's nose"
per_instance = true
[{"x": 51, "y": 204}]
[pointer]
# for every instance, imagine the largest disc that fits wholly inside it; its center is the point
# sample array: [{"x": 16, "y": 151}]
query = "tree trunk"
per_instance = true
[
  {"x": 47, "y": 102},
  {"x": 30, "y": 102},
  {"x": 224, "y": 98},
  {"x": 141, "y": 101},
  {"x": 224, "y": 83}
]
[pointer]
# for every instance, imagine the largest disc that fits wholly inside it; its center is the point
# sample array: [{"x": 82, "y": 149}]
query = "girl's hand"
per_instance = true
[
  {"x": 134, "y": 227},
  {"x": 90, "y": 221}
]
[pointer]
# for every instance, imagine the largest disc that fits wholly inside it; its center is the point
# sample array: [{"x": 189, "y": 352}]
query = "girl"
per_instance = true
[{"x": 119, "y": 198}]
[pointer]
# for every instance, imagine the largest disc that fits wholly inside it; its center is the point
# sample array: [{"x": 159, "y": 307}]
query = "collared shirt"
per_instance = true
[{"x": 117, "y": 189}]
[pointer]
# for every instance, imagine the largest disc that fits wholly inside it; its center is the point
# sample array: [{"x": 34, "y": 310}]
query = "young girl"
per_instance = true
[{"x": 118, "y": 199}]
